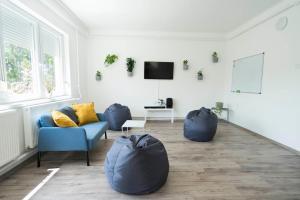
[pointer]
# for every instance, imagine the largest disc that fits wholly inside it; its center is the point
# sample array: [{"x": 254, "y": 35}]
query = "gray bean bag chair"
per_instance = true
[
  {"x": 137, "y": 164},
  {"x": 116, "y": 115},
  {"x": 200, "y": 125}
]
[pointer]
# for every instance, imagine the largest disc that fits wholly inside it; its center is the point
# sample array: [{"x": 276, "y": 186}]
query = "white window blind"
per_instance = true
[
  {"x": 49, "y": 42},
  {"x": 15, "y": 29}
]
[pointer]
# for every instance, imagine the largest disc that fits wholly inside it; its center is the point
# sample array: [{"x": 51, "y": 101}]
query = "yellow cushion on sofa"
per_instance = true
[
  {"x": 85, "y": 113},
  {"x": 62, "y": 120}
]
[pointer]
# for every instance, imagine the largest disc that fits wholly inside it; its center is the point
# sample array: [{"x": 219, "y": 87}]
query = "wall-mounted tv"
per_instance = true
[{"x": 158, "y": 70}]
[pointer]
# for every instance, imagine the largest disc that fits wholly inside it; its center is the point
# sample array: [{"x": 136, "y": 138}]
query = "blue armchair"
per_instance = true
[{"x": 83, "y": 138}]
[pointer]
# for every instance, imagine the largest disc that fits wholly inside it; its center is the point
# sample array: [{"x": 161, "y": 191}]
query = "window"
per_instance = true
[
  {"x": 51, "y": 65},
  {"x": 31, "y": 58}
]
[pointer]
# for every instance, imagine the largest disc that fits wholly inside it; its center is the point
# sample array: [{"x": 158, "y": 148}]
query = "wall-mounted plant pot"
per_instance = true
[
  {"x": 98, "y": 78},
  {"x": 200, "y": 77},
  {"x": 215, "y": 59},
  {"x": 130, "y": 74},
  {"x": 185, "y": 66}
]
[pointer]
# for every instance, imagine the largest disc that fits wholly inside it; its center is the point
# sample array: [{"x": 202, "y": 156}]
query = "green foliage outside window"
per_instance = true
[
  {"x": 48, "y": 73},
  {"x": 18, "y": 69}
]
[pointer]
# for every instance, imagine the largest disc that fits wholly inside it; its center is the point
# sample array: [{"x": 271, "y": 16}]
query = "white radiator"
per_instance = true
[
  {"x": 10, "y": 137},
  {"x": 31, "y": 115}
]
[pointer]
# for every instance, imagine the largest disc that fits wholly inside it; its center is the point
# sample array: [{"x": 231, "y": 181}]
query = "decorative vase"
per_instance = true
[
  {"x": 185, "y": 66},
  {"x": 219, "y": 105},
  {"x": 98, "y": 77},
  {"x": 130, "y": 73},
  {"x": 200, "y": 77},
  {"x": 215, "y": 59}
]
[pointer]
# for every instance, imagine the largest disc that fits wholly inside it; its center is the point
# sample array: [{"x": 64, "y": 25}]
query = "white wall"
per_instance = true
[
  {"x": 136, "y": 92},
  {"x": 274, "y": 113}
]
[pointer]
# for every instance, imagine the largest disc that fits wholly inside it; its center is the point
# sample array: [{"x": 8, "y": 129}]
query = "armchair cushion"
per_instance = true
[
  {"x": 62, "y": 120},
  {"x": 85, "y": 113},
  {"x": 70, "y": 113},
  {"x": 46, "y": 121}
]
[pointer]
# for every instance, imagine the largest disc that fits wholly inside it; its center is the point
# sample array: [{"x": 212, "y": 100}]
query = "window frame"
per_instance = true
[{"x": 36, "y": 60}]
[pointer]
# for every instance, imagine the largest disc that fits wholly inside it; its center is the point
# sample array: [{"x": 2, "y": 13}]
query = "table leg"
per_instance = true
[
  {"x": 146, "y": 112},
  {"x": 227, "y": 117},
  {"x": 172, "y": 117}
]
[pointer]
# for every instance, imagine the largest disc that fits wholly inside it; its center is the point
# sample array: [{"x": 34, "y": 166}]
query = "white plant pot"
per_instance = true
[
  {"x": 98, "y": 78},
  {"x": 215, "y": 59},
  {"x": 185, "y": 66},
  {"x": 130, "y": 74}
]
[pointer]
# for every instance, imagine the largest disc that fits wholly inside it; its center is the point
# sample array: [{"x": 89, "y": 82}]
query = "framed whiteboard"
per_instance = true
[{"x": 247, "y": 74}]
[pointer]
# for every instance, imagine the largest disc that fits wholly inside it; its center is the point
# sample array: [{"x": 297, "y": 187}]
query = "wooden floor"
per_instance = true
[{"x": 236, "y": 165}]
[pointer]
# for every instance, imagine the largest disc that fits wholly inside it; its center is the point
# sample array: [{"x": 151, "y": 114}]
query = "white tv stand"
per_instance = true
[{"x": 152, "y": 109}]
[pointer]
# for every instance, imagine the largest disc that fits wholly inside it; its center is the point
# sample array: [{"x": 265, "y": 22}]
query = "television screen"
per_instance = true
[{"x": 158, "y": 70}]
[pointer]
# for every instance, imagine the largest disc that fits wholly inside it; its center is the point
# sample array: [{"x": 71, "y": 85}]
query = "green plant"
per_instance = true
[
  {"x": 185, "y": 62},
  {"x": 130, "y": 64},
  {"x": 218, "y": 109},
  {"x": 200, "y": 73},
  {"x": 215, "y": 54},
  {"x": 110, "y": 59},
  {"x": 98, "y": 73}
]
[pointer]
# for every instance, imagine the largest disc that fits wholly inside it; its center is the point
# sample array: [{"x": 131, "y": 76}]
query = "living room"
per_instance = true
[{"x": 213, "y": 84}]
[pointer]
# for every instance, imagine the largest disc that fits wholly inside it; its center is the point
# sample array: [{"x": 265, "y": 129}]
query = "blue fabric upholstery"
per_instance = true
[
  {"x": 101, "y": 117},
  {"x": 62, "y": 139},
  {"x": 82, "y": 138},
  {"x": 70, "y": 113},
  {"x": 137, "y": 164},
  {"x": 94, "y": 131},
  {"x": 116, "y": 115},
  {"x": 200, "y": 125},
  {"x": 46, "y": 121}
]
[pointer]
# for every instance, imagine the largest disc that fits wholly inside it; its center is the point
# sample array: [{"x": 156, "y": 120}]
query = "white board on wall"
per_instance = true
[{"x": 247, "y": 74}]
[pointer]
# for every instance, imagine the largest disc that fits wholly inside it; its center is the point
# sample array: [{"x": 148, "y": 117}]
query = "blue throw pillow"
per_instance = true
[
  {"x": 70, "y": 113},
  {"x": 46, "y": 121}
]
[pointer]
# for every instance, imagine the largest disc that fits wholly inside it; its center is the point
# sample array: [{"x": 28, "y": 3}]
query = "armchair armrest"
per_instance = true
[
  {"x": 101, "y": 116},
  {"x": 62, "y": 139}
]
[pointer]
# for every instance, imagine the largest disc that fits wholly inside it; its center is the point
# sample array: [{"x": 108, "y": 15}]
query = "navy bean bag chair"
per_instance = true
[
  {"x": 137, "y": 164},
  {"x": 200, "y": 125},
  {"x": 116, "y": 115}
]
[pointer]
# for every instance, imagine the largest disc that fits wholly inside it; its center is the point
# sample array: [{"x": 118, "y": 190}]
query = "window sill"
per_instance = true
[{"x": 37, "y": 102}]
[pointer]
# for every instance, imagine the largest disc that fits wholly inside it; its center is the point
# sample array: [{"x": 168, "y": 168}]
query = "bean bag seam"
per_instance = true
[{"x": 116, "y": 162}]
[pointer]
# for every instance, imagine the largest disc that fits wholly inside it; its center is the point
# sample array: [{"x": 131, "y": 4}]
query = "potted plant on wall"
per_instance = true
[
  {"x": 200, "y": 75},
  {"x": 130, "y": 66},
  {"x": 215, "y": 57},
  {"x": 110, "y": 59},
  {"x": 185, "y": 65},
  {"x": 98, "y": 75}
]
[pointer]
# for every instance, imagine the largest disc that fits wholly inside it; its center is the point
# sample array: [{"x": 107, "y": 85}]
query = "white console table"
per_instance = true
[{"x": 170, "y": 110}]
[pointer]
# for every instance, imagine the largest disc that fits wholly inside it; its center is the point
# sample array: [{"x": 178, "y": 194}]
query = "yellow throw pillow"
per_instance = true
[
  {"x": 62, "y": 120},
  {"x": 85, "y": 113}
]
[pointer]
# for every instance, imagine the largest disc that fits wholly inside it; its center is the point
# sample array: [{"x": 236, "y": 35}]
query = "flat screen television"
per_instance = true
[{"x": 158, "y": 70}]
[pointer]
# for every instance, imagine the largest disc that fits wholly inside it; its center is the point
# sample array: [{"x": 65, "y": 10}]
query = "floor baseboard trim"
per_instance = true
[
  {"x": 273, "y": 141},
  {"x": 14, "y": 164}
]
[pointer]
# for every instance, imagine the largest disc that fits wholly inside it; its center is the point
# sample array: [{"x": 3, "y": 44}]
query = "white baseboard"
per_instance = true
[{"x": 19, "y": 160}]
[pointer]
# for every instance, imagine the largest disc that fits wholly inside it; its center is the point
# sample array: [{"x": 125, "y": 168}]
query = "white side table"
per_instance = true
[
  {"x": 133, "y": 124},
  {"x": 170, "y": 110},
  {"x": 224, "y": 109}
]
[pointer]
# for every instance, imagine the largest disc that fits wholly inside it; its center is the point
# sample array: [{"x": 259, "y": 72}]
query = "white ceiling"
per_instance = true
[{"x": 210, "y": 16}]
